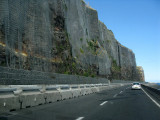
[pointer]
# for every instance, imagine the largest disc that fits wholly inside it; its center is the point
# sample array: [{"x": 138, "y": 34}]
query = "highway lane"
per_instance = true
[
  {"x": 129, "y": 105},
  {"x": 115, "y": 104}
]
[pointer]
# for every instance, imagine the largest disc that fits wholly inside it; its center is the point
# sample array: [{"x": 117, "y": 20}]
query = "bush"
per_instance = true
[
  {"x": 86, "y": 74},
  {"x": 81, "y": 50},
  {"x": 81, "y": 39},
  {"x": 115, "y": 67},
  {"x": 67, "y": 72},
  {"x": 92, "y": 75}
]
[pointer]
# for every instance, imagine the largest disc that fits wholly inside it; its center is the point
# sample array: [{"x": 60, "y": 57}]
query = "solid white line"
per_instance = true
[
  {"x": 151, "y": 98},
  {"x": 80, "y": 118},
  {"x": 103, "y": 103},
  {"x": 115, "y": 95}
]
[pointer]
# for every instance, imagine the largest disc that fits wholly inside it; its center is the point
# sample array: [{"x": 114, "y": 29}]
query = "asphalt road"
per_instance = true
[{"x": 115, "y": 104}]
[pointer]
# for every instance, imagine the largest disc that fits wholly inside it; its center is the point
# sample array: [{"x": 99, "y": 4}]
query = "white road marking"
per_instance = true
[
  {"x": 115, "y": 95},
  {"x": 120, "y": 92},
  {"x": 151, "y": 98},
  {"x": 103, "y": 103},
  {"x": 79, "y": 118},
  {"x": 4, "y": 104}
]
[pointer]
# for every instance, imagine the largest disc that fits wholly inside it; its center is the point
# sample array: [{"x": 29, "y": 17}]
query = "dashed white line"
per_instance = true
[
  {"x": 103, "y": 103},
  {"x": 79, "y": 118},
  {"x": 115, "y": 95},
  {"x": 120, "y": 92},
  {"x": 151, "y": 98}
]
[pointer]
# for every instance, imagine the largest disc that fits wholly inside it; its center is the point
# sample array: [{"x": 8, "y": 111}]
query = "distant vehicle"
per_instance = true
[{"x": 136, "y": 86}]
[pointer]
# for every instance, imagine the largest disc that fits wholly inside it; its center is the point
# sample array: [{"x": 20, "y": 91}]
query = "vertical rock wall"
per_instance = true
[
  {"x": 63, "y": 36},
  {"x": 140, "y": 74}
]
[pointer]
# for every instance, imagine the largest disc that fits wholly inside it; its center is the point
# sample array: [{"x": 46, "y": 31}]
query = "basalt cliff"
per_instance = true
[{"x": 62, "y": 36}]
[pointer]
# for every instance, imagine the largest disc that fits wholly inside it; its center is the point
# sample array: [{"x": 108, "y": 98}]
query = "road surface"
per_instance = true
[{"x": 115, "y": 104}]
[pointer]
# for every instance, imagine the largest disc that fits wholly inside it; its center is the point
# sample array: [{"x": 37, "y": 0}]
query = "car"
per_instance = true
[{"x": 136, "y": 86}]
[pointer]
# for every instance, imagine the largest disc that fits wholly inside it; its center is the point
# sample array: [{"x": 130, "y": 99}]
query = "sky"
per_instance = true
[{"x": 136, "y": 25}]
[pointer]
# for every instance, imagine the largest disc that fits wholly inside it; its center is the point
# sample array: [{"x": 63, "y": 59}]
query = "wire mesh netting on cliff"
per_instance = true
[
  {"x": 33, "y": 38},
  {"x": 24, "y": 35}
]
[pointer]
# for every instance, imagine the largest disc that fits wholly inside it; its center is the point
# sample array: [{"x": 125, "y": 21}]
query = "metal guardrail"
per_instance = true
[
  {"x": 153, "y": 91},
  {"x": 7, "y": 90},
  {"x": 157, "y": 91},
  {"x": 38, "y": 88}
]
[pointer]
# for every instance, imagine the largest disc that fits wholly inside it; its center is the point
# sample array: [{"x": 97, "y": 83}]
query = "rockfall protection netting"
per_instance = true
[
  {"x": 33, "y": 38},
  {"x": 25, "y": 34}
]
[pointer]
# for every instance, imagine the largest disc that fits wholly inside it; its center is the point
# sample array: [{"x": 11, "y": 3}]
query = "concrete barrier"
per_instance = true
[
  {"x": 23, "y": 97},
  {"x": 86, "y": 91},
  {"x": 66, "y": 94},
  {"x": 95, "y": 89},
  {"x": 52, "y": 96},
  {"x": 101, "y": 88},
  {"x": 29, "y": 99},
  {"x": 9, "y": 102},
  {"x": 31, "y": 96},
  {"x": 76, "y": 93},
  {"x": 106, "y": 87},
  {"x": 89, "y": 90}
]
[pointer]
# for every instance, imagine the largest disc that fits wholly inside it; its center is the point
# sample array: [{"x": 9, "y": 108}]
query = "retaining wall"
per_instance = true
[{"x": 9, "y": 76}]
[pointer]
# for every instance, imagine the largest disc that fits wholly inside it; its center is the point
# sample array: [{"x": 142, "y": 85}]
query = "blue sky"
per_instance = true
[{"x": 136, "y": 25}]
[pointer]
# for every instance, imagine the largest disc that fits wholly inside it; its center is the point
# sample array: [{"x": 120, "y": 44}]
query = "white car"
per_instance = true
[{"x": 136, "y": 86}]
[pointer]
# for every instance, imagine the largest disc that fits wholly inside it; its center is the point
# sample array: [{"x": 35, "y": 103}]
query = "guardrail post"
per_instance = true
[
  {"x": 109, "y": 82},
  {"x": 70, "y": 87},
  {"x": 43, "y": 89},
  {"x": 59, "y": 88},
  {"x": 18, "y": 91}
]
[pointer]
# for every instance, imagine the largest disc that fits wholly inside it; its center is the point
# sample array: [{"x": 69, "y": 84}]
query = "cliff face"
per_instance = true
[
  {"x": 140, "y": 74},
  {"x": 63, "y": 36}
]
